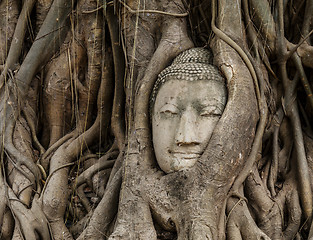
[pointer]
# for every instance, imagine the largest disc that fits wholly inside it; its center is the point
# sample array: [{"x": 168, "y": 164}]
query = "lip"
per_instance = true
[{"x": 182, "y": 155}]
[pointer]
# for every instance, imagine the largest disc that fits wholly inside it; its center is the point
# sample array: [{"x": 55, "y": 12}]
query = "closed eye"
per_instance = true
[
  {"x": 169, "y": 110},
  {"x": 210, "y": 114},
  {"x": 211, "y": 111}
]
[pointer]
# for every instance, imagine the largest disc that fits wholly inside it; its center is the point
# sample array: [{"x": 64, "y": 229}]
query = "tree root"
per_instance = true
[
  {"x": 19, "y": 34},
  {"x": 240, "y": 224},
  {"x": 117, "y": 165},
  {"x": 45, "y": 159},
  {"x": 79, "y": 227},
  {"x": 107, "y": 205},
  {"x": 277, "y": 201},
  {"x": 263, "y": 110},
  {"x": 9, "y": 13},
  {"x": 18, "y": 158},
  {"x": 291, "y": 109},
  {"x": 42, "y": 8},
  {"x": 32, "y": 222},
  {"x": 270, "y": 211},
  {"x": 54, "y": 197},
  {"x": 102, "y": 164},
  {"x": 32, "y": 127},
  {"x": 119, "y": 95},
  {"x": 83, "y": 198}
]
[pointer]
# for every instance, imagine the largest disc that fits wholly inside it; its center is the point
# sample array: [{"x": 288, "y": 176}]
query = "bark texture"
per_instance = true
[{"x": 77, "y": 160}]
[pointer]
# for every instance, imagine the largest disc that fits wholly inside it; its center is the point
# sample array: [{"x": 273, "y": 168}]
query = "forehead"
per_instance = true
[{"x": 185, "y": 91}]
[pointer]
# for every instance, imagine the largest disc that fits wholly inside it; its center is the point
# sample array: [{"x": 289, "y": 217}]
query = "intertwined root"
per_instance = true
[{"x": 67, "y": 109}]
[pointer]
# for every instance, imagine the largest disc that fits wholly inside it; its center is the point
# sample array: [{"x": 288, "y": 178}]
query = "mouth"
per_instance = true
[{"x": 187, "y": 155}]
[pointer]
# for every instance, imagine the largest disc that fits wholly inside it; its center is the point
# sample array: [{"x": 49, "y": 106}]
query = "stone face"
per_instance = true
[
  {"x": 186, "y": 103},
  {"x": 184, "y": 116},
  {"x": 188, "y": 99}
]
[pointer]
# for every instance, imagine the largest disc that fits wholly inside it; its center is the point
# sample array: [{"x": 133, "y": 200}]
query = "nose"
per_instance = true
[{"x": 186, "y": 133}]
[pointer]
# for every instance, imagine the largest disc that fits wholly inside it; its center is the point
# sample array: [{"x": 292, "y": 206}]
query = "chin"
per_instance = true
[{"x": 183, "y": 164}]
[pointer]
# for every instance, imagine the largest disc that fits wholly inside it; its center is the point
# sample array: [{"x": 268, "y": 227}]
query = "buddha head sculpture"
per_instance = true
[{"x": 187, "y": 101}]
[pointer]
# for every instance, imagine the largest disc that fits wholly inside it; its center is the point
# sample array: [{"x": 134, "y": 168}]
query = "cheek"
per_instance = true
[
  {"x": 206, "y": 127},
  {"x": 162, "y": 132}
]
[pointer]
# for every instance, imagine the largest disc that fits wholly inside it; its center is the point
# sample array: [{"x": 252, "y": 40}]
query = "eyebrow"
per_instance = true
[
  {"x": 167, "y": 103},
  {"x": 205, "y": 104},
  {"x": 220, "y": 107},
  {"x": 170, "y": 104}
]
